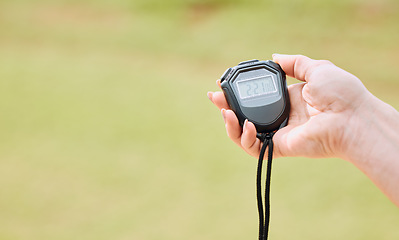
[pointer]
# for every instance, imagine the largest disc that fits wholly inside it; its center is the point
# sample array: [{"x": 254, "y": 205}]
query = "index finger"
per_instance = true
[{"x": 218, "y": 99}]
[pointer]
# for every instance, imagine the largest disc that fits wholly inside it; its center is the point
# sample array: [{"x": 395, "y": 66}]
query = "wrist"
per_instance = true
[
  {"x": 371, "y": 127},
  {"x": 372, "y": 144}
]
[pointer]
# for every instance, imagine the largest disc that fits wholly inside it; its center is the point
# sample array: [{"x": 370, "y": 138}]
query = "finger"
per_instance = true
[
  {"x": 249, "y": 142},
  {"x": 298, "y": 66},
  {"x": 233, "y": 127},
  {"x": 218, "y": 99},
  {"x": 219, "y": 83},
  {"x": 301, "y": 140},
  {"x": 285, "y": 144},
  {"x": 210, "y": 96}
]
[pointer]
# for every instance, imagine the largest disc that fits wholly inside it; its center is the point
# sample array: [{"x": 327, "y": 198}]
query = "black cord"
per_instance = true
[
  {"x": 259, "y": 191},
  {"x": 267, "y": 139}
]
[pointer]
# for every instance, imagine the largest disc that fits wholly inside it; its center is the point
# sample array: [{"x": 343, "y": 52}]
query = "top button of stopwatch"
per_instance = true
[
  {"x": 225, "y": 74},
  {"x": 228, "y": 71},
  {"x": 249, "y": 62}
]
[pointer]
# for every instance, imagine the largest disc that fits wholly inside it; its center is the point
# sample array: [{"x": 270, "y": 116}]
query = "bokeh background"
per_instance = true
[{"x": 106, "y": 131}]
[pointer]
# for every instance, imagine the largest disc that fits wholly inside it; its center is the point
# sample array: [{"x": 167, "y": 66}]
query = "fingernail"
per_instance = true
[
  {"x": 223, "y": 111},
  {"x": 276, "y": 55},
  {"x": 209, "y": 94},
  {"x": 244, "y": 127}
]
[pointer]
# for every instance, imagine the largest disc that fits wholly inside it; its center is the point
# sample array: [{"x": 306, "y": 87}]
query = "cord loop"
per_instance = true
[{"x": 267, "y": 139}]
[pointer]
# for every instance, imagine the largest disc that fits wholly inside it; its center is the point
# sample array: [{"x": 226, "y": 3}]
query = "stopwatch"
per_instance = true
[{"x": 257, "y": 91}]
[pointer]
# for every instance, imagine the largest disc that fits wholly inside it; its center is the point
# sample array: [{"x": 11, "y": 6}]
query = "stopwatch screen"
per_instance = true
[{"x": 256, "y": 86}]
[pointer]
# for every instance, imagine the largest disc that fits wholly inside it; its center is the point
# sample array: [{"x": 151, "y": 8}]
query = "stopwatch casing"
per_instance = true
[{"x": 257, "y": 91}]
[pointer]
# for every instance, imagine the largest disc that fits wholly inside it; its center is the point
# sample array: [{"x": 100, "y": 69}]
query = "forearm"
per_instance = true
[{"x": 374, "y": 145}]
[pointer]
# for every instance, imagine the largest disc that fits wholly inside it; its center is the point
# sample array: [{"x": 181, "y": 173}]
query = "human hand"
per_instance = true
[{"x": 322, "y": 107}]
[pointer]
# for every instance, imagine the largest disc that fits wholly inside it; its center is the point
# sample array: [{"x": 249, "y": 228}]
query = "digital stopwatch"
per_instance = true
[{"x": 257, "y": 91}]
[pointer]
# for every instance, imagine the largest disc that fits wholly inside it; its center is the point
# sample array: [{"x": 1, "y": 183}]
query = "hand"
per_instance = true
[
  {"x": 322, "y": 107},
  {"x": 332, "y": 115}
]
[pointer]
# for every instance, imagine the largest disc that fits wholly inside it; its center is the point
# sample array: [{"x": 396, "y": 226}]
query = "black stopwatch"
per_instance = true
[{"x": 257, "y": 91}]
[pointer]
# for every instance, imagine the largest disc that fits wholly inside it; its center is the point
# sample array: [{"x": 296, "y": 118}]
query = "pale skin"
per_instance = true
[{"x": 332, "y": 115}]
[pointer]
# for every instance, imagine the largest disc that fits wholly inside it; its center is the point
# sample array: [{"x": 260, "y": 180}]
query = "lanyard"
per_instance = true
[{"x": 267, "y": 139}]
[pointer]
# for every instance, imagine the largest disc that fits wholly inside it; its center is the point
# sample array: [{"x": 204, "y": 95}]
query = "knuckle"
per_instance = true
[
  {"x": 323, "y": 62},
  {"x": 318, "y": 65}
]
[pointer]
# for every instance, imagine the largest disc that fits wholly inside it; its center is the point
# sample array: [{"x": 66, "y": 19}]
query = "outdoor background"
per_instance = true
[{"x": 106, "y": 131}]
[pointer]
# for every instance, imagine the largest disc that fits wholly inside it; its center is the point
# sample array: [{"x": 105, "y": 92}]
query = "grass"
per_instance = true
[{"x": 106, "y": 131}]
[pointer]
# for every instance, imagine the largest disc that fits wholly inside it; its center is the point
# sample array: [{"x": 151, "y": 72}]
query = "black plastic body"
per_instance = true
[{"x": 267, "y": 115}]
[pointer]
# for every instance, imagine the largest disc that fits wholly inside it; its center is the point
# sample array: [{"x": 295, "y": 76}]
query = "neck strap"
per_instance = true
[{"x": 267, "y": 139}]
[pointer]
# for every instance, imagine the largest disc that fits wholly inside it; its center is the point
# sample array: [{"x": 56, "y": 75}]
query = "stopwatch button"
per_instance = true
[
  {"x": 225, "y": 74},
  {"x": 248, "y": 62}
]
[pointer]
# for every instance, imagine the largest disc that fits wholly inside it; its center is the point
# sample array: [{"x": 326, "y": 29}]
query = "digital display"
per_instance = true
[{"x": 256, "y": 86}]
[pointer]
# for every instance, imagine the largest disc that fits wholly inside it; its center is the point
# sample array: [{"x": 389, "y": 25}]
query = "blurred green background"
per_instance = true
[{"x": 106, "y": 131}]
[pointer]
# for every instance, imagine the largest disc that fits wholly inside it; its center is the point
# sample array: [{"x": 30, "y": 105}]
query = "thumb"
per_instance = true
[
  {"x": 296, "y": 66},
  {"x": 286, "y": 142},
  {"x": 303, "y": 140}
]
